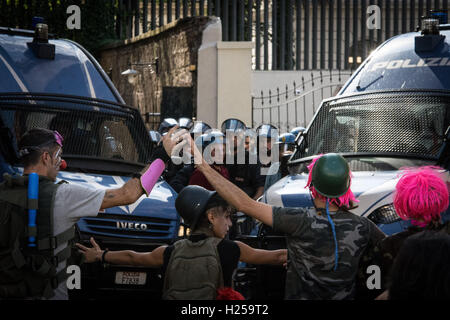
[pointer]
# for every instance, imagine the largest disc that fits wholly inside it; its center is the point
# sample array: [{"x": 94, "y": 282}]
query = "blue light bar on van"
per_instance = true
[{"x": 36, "y": 20}]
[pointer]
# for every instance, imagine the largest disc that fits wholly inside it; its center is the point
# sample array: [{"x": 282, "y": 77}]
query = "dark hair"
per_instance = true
[
  {"x": 215, "y": 202},
  {"x": 33, "y": 143},
  {"x": 421, "y": 268}
]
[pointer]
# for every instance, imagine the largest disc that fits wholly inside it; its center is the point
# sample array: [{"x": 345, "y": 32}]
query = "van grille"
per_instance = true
[{"x": 129, "y": 226}]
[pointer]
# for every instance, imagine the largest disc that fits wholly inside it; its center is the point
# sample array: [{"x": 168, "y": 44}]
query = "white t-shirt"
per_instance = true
[{"x": 72, "y": 202}]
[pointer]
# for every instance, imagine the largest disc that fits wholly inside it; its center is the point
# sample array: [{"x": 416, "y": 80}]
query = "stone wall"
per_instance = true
[{"x": 175, "y": 46}]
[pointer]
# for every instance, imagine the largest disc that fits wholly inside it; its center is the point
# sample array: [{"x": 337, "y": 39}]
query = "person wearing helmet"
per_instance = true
[
  {"x": 155, "y": 137},
  {"x": 325, "y": 242},
  {"x": 185, "y": 123},
  {"x": 201, "y": 266},
  {"x": 213, "y": 146},
  {"x": 297, "y": 130},
  {"x": 233, "y": 125},
  {"x": 246, "y": 175},
  {"x": 166, "y": 125},
  {"x": 266, "y": 134},
  {"x": 277, "y": 170},
  {"x": 199, "y": 128},
  {"x": 421, "y": 196},
  {"x": 266, "y": 131},
  {"x": 60, "y": 205}
]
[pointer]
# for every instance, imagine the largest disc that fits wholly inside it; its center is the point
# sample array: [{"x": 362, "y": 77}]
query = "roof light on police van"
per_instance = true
[
  {"x": 430, "y": 38},
  {"x": 429, "y": 25},
  {"x": 41, "y": 33},
  {"x": 40, "y": 46}
]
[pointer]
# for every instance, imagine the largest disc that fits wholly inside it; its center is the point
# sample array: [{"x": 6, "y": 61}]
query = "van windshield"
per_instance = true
[
  {"x": 92, "y": 131},
  {"x": 397, "y": 125}
]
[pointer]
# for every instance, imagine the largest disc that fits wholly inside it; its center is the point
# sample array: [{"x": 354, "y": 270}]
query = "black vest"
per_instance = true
[{"x": 29, "y": 272}]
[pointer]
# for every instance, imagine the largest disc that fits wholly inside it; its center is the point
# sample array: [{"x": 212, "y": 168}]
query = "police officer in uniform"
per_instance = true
[{"x": 247, "y": 176}]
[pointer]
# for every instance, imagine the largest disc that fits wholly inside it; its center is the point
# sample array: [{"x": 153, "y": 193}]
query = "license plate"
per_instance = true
[{"x": 136, "y": 278}]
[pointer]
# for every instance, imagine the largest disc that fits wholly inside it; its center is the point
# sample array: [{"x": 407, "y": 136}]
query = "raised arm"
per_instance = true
[
  {"x": 259, "y": 256},
  {"x": 125, "y": 257},
  {"x": 133, "y": 189},
  {"x": 233, "y": 194}
]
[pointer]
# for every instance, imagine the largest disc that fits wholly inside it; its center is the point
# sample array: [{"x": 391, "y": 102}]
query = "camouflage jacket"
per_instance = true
[{"x": 311, "y": 247}]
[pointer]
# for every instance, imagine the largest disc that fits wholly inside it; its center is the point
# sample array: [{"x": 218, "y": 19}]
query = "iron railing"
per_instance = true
[
  {"x": 294, "y": 105},
  {"x": 288, "y": 34}
]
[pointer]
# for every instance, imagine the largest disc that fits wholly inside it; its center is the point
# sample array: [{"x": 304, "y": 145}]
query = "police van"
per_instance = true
[
  {"x": 393, "y": 112},
  {"x": 56, "y": 84}
]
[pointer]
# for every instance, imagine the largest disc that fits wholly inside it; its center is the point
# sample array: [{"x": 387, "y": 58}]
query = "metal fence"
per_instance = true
[
  {"x": 288, "y": 34},
  {"x": 295, "y": 104}
]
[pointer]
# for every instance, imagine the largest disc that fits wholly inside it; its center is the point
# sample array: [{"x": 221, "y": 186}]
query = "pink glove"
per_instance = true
[{"x": 149, "y": 178}]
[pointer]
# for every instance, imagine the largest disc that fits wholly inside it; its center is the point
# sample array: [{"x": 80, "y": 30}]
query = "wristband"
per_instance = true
[
  {"x": 103, "y": 256},
  {"x": 137, "y": 175},
  {"x": 149, "y": 178}
]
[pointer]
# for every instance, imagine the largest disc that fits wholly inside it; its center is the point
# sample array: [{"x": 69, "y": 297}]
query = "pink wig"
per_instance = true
[
  {"x": 343, "y": 201},
  {"x": 421, "y": 195}
]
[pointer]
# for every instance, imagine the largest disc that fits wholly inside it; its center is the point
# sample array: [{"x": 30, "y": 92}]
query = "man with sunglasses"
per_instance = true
[{"x": 59, "y": 208}]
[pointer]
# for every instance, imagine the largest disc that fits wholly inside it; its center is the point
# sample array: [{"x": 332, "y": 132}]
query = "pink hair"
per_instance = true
[
  {"x": 342, "y": 201},
  {"x": 421, "y": 195}
]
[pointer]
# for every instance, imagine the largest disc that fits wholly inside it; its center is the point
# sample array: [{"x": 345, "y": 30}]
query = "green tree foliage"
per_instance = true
[{"x": 98, "y": 25}]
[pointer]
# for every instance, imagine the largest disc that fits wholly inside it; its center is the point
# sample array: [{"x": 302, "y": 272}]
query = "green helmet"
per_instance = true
[
  {"x": 191, "y": 203},
  {"x": 331, "y": 176}
]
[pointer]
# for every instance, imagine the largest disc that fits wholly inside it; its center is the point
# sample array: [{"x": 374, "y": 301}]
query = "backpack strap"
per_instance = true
[
  {"x": 14, "y": 197},
  {"x": 53, "y": 242}
]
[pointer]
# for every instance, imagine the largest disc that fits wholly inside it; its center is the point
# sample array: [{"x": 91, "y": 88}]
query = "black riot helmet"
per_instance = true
[
  {"x": 185, "y": 123},
  {"x": 266, "y": 130},
  {"x": 199, "y": 127},
  {"x": 166, "y": 125},
  {"x": 155, "y": 136},
  {"x": 233, "y": 125},
  {"x": 191, "y": 204}
]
